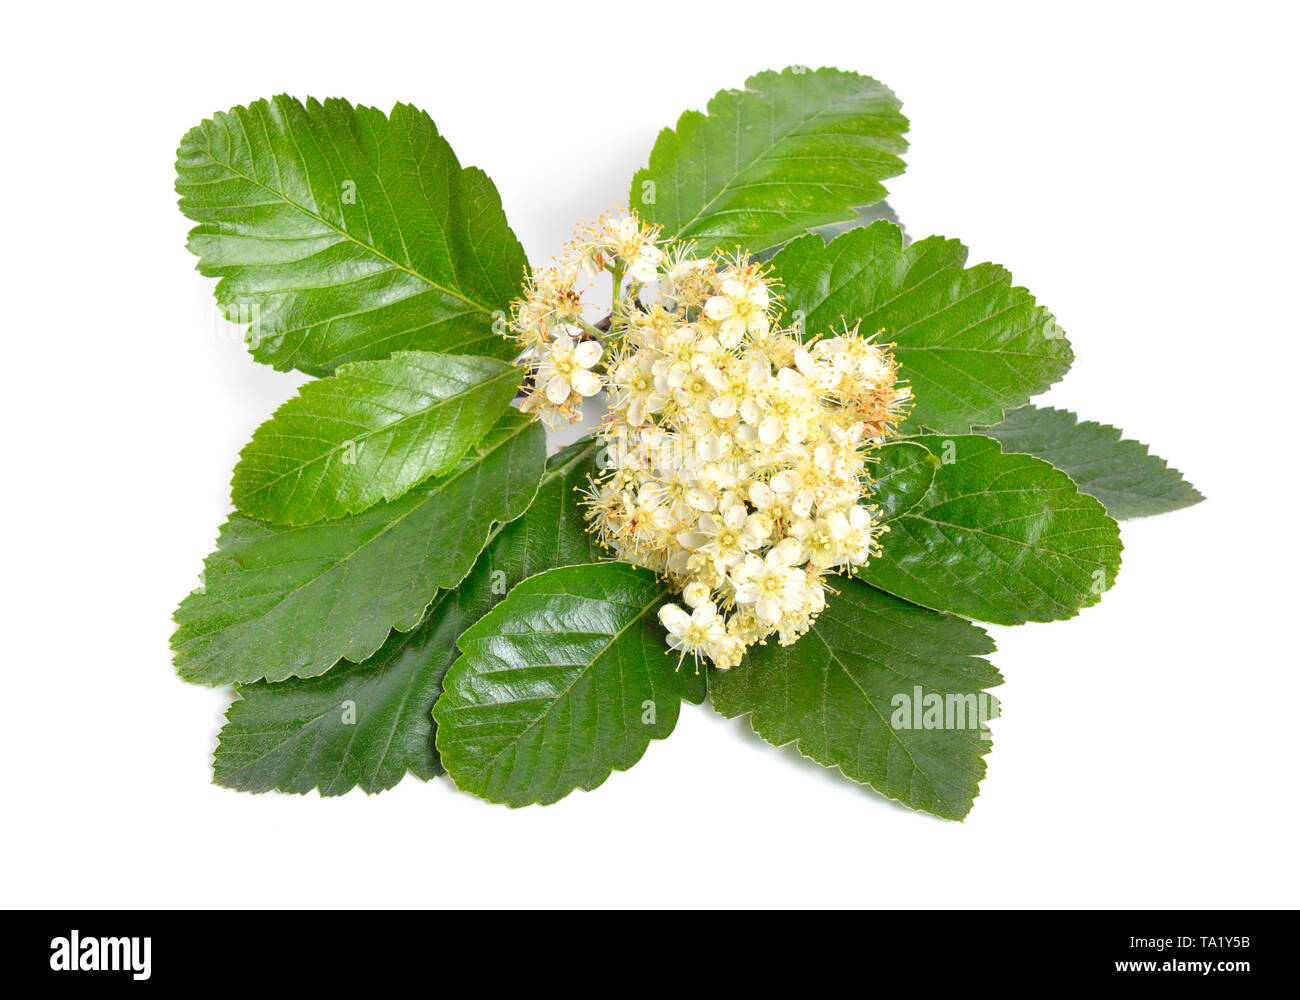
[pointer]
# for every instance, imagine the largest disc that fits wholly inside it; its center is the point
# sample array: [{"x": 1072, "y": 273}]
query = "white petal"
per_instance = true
[
  {"x": 719, "y": 307},
  {"x": 789, "y": 380},
  {"x": 705, "y": 613},
  {"x": 557, "y": 390},
  {"x": 643, "y": 270},
  {"x": 758, "y": 527},
  {"x": 789, "y": 551},
  {"x": 691, "y": 540},
  {"x": 586, "y": 383},
  {"x": 674, "y": 619},
  {"x": 709, "y": 448},
  {"x": 587, "y": 353}
]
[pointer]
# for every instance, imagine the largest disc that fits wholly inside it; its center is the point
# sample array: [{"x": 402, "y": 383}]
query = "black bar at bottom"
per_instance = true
[{"x": 968, "y": 950}]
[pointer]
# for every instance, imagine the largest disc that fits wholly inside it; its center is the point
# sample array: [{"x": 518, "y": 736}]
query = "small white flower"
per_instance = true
[
  {"x": 645, "y": 266},
  {"x": 696, "y": 593},
  {"x": 769, "y": 584},
  {"x": 565, "y": 368},
  {"x": 724, "y": 538},
  {"x": 740, "y": 308},
  {"x": 695, "y": 633}
]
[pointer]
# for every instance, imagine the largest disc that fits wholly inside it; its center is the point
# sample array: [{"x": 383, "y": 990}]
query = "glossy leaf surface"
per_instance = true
[
  {"x": 339, "y": 233},
  {"x": 565, "y": 681},
  {"x": 853, "y": 694},
  {"x": 283, "y": 602},
  {"x": 990, "y": 536},
  {"x": 368, "y": 434},
  {"x": 368, "y": 724},
  {"x": 792, "y": 150}
]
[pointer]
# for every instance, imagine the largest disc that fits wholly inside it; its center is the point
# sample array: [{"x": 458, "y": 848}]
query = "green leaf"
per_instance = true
[
  {"x": 970, "y": 342},
  {"x": 902, "y": 474},
  {"x": 566, "y": 680},
  {"x": 791, "y": 151},
  {"x": 363, "y": 724},
  {"x": 283, "y": 602},
  {"x": 369, "y": 433},
  {"x": 342, "y": 234},
  {"x": 847, "y": 694},
  {"x": 998, "y": 538},
  {"x": 295, "y": 735},
  {"x": 553, "y": 532},
  {"x": 1117, "y": 471}
]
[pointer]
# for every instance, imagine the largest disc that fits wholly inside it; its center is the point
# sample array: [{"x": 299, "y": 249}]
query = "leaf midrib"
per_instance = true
[
  {"x": 683, "y": 227},
  {"x": 843, "y": 667},
  {"x": 360, "y": 439},
  {"x": 390, "y": 526},
  {"x": 480, "y": 307},
  {"x": 659, "y": 594}
]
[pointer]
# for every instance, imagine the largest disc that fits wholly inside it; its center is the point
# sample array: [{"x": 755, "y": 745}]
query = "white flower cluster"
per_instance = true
[
  {"x": 735, "y": 453},
  {"x": 559, "y": 343}
]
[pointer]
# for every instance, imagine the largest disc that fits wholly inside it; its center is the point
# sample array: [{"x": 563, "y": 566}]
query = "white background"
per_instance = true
[{"x": 1133, "y": 164}]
